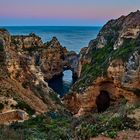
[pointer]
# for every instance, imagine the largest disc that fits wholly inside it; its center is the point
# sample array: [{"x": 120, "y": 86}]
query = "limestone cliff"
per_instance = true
[
  {"x": 109, "y": 69},
  {"x": 26, "y": 63}
]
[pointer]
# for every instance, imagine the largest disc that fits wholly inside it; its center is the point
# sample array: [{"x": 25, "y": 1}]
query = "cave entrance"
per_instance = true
[{"x": 103, "y": 101}]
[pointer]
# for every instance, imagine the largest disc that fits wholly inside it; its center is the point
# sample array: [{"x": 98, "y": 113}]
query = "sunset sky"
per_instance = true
[{"x": 63, "y": 12}]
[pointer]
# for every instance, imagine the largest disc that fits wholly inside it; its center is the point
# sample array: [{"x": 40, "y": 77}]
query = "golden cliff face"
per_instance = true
[
  {"x": 80, "y": 104},
  {"x": 109, "y": 69},
  {"x": 127, "y": 74},
  {"x": 52, "y": 59},
  {"x": 23, "y": 75},
  {"x": 26, "y": 65}
]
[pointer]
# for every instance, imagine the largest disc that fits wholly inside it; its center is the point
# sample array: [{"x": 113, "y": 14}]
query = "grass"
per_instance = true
[
  {"x": 107, "y": 124},
  {"x": 125, "y": 51},
  {"x": 101, "y": 58},
  {"x": 52, "y": 126},
  {"x": 61, "y": 126},
  {"x": 97, "y": 67},
  {"x": 22, "y": 105},
  {"x": 7, "y": 133}
]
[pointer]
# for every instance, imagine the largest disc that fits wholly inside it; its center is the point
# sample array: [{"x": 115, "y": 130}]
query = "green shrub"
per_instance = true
[
  {"x": 25, "y": 106},
  {"x": 7, "y": 133},
  {"x": 87, "y": 131},
  {"x": 51, "y": 125},
  {"x": 97, "y": 67},
  {"x": 111, "y": 134},
  {"x": 103, "y": 124},
  {"x": 125, "y": 51},
  {"x": 54, "y": 126},
  {"x": 100, "y": 61}
]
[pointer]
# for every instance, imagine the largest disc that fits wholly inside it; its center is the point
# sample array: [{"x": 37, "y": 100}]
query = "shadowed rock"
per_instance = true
[{"x": 103, "y": 101}]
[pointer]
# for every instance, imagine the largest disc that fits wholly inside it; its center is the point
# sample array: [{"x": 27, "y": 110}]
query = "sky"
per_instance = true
[{"x": 63, "y": 12}]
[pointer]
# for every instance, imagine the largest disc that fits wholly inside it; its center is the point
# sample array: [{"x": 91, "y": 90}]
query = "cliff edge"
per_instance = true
[{"x": 109, "y": 69}]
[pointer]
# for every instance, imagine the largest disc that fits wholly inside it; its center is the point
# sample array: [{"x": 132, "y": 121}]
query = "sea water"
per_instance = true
[{"x": 72, "y": 37}]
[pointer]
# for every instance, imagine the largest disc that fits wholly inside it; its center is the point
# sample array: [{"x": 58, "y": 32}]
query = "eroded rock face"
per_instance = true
[
  {"x": 26, "y": 64},
  {"x": 82, "y": 60},
  {"x": 126, "y": 73},
  {"x": 115, "y": 32},
  {"x": 111, "y": 63},
  {"x": 52, "y": 59},
  {"x": 13, "y": 116}
]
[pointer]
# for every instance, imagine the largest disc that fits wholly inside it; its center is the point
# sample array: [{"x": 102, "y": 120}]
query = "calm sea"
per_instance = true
[{"x": 72, "y": 37}]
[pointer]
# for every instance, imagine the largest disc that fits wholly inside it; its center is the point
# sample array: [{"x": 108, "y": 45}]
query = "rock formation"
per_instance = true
[
  {"x": 26, "y": 64},
  {"x": 13, "y": 115},
  {"x": 111, "y": 63},
  {"x": 108, "y": 73}
]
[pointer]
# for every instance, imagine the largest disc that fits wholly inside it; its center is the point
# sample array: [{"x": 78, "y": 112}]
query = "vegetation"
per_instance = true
[
  {"x": 100, "y": 62},
  {"x": 97, "y": 67},
  {"x": 22, "y": 105},
  {"x": 7, "y": 133},
  {"x": 60, "y": 126},
  {"x": 105, "y": 124},
  {"x": 52, "y": 126},
  {"x": 125, "y": 51}
]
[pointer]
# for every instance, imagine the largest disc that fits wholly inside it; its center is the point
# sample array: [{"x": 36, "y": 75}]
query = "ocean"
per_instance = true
[{"x": 72, "y": 37}]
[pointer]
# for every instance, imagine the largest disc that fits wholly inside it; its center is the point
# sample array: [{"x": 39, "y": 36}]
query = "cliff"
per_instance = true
[
  {"x": 104, "y": 101},
  {"x": 109, "y": 69},
  {"x": 26, "y": 64}
]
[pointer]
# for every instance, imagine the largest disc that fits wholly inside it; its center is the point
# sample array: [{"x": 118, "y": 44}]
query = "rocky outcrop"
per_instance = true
[
  {"x": 71, "y": 62},
  {"x": 26, "y": 65},
  {"x": 52, "y": 59},
  {"x": 111, "y": 63},
  {"x": 12, "y": 116},
  {"x": 115, "y": 33},
  {"x": 81, "y": 61}
]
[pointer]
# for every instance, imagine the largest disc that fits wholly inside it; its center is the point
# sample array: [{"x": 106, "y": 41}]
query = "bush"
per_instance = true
[
  {"x": 97, "y": 67},
  {"x": 111, "y": 134},
  {"x": 47, "y": 126},
  {"x": 22, "y": 105},
  {"x": 7, "y": 133},
  {"x": 103, "y": 124},
  {"x": 125, "y": 51}
]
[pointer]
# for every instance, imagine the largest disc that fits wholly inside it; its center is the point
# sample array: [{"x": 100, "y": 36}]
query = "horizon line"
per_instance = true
[{"x": 51, "y": 25}]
